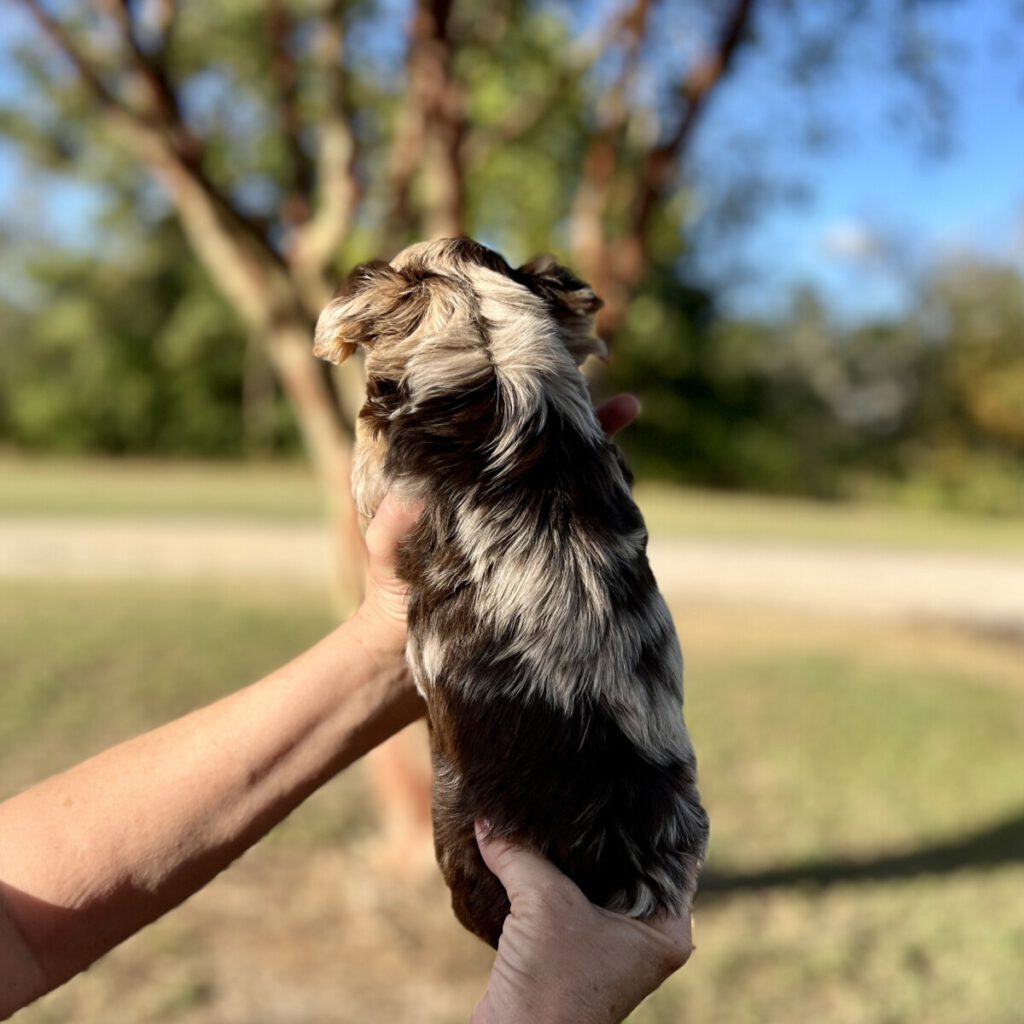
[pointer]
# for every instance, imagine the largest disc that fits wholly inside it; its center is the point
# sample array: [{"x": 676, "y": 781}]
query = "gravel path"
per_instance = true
[{"x": 979, "y": 590}]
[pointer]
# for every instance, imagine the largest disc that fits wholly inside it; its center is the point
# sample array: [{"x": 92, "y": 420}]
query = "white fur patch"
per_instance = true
[
  {"x": 530, "y": 359},
  {"x": 551, "y": 592}
]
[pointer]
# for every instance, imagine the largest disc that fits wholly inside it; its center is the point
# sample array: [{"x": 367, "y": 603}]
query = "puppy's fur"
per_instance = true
[{"x": 537, "y": 635}]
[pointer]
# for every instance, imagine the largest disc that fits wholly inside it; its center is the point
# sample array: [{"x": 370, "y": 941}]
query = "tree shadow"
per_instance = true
[{"x": 994, "y": 846}]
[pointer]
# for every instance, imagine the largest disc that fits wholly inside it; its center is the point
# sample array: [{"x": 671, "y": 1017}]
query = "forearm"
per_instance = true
[{"x": 90, "y": 856}]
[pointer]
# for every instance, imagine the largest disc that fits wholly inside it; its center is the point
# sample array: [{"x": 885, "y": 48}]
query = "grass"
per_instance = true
[
  {"x": 864, "y": 785},
  {"x": 678, "y": 510},
  {"x": 138, "y": 654},
  {"x": 867, "y": 815},
  {"x": 54, "y": 487},
  {"x": 86, "y": 665}
]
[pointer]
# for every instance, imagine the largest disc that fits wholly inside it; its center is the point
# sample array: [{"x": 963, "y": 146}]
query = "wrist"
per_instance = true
[
  {"x": 379, "y": 643},
  {"x": 536, "y": 1012},
  {"x": 379, "y": 635}
]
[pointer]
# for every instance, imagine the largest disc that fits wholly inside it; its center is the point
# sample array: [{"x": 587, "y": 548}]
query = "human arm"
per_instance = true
[{"x": 90, "y": 856}]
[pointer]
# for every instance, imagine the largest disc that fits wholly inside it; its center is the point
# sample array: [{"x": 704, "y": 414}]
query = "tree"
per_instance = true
[
  {"x": 135, "y": 353},
  {"x": 293, "y": 137},
  {"x": 974, "y": 309},
  {"x": 966, "y": 437}
]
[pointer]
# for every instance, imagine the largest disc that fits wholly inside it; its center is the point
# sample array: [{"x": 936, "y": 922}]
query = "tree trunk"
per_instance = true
[
  {"x": 329, "y": 444},
  {"x": 259, "y": 390}
]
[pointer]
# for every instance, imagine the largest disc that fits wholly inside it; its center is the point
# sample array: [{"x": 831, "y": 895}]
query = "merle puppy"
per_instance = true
[{"x": 537, "y": 635}]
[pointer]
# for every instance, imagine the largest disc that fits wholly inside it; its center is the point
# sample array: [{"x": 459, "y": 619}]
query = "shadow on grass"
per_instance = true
[{"x": 995, "y": 846}]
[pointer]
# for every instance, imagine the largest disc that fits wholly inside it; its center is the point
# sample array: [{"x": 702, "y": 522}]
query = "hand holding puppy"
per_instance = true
[{"x": 561, "y": 960}]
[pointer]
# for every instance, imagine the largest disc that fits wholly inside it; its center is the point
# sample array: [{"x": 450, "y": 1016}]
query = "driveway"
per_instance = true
[{"x": 978, "y": 590}]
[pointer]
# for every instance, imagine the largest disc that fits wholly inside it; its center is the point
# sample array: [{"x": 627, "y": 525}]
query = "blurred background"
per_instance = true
[{"x": 807, "y": 223}]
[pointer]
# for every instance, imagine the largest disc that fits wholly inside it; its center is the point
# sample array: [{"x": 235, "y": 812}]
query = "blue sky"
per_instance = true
[{"x": 879, "y": 208}]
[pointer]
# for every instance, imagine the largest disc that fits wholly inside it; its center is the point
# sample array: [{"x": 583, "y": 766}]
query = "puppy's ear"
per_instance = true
[
  {"x": 572, "y": 301},
  {"x": 360, "y": 312}
]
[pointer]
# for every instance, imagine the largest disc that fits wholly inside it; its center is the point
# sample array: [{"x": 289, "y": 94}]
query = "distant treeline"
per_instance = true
[
  {"x": 927, "y": 406},
  {"x": 139, "y": 355}
]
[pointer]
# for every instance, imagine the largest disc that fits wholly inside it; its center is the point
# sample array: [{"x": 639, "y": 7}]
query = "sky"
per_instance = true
[
  {"x": 881, "y": 208},
  {"x": 877, "y": 207}
]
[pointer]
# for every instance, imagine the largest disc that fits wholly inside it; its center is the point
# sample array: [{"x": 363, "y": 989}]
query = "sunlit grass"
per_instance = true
[
  {"x": 682, "y": 511},
  {"x": 864, "y": 785},
  {"x": 945, "y": 949},
  {"x": 833, "y": 749},
  {"x": 86, "y": 663},
  {"x": 53, "y": 486}
]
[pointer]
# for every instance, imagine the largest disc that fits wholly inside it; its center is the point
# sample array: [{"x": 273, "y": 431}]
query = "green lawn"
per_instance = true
[
  {"x": 687, "y": 511},
  {"x": 865, "y": 789},
  {"x": 286, "y": 490},
  {"x": 53, "y": 486}
]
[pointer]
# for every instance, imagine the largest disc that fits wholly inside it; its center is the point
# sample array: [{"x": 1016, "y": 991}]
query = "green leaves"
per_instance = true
[{"x": 130, "y": 353}]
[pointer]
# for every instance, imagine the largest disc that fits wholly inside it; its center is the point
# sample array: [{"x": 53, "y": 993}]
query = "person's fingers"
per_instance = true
[
  {"x": 617, "y": 413},
  {"x": 517, "y": 868},
  {"x": 390, "y": 526},
  {"x": 677, "y": 930}
]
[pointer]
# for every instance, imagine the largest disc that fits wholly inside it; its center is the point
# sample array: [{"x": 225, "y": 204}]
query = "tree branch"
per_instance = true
[
  {"x": 694, "y": 90},
  {"x": 432, "y": 129},
  {"x": 338, "y": 190},
  {"x": 89, "y": 75},
  {"x": 531, "y": 111},
  {"x": 404, "y": 160},
  {"x": 446, "y": 129},
  {"x": 600, "y": 170},
  {"x": 151, "y": 69},
  {"x": 164, "y": 14},
  {"x": 232, "y": 247},
  {"x": 617, "y": 265},
  {"x": 284, "y": 71}
]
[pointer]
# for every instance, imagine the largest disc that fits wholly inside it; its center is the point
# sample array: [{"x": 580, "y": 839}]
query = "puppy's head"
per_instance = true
[{"x": 437, "y": 287}]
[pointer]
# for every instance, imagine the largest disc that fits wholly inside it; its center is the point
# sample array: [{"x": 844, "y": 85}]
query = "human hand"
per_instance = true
[
  {"x": 383, "y": 611},
  {"x": 562, "y": 960}
]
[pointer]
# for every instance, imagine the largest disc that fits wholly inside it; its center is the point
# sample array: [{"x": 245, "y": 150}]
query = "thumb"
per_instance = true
[
  {"x": 516, "y": 867},
  {"x": 617, "y": 413},
  {"x": 392, "y": 523}
]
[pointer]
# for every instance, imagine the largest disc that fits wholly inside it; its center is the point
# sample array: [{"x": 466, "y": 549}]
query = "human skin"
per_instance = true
[
  {"x": 90, "y": 856},
  {"x": 562, "y": 960}
]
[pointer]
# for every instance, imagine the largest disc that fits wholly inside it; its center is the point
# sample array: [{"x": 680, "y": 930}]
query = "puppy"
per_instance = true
[{"x": 537, "y": 635}]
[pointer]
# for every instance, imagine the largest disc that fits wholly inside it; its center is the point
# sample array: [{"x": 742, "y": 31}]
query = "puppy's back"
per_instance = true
[{"x": 549, "y": 661}]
